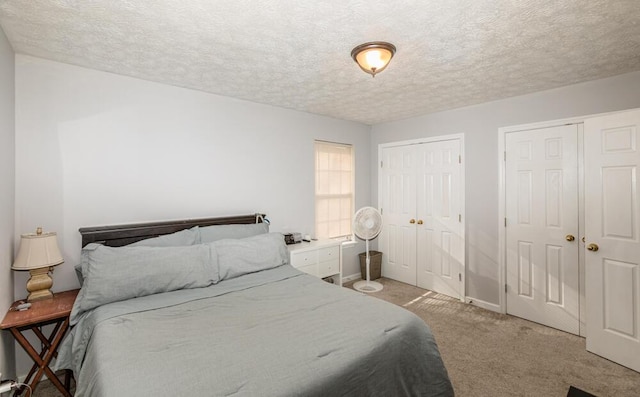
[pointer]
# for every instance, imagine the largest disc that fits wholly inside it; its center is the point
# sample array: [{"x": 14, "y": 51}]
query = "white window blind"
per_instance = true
[{"x": 334, "y": 189}]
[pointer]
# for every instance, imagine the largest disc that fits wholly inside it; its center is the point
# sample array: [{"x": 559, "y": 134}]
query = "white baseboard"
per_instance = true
[
  {"x": 483, "y": 304},
  {"x": 470, "y": 300},
  {"x": 352, "y": 277}
]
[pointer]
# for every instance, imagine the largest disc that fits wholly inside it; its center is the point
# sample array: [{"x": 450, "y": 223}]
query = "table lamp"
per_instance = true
[{"x": 38, "y": 254}]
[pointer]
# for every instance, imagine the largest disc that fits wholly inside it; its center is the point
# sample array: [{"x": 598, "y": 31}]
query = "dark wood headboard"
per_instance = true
[{"x": 119, "y": 235}]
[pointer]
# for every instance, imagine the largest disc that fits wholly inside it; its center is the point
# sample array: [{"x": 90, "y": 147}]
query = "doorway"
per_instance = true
[
  {"x": 538, "y": 221},
  {"x": 421, "y": 197}
]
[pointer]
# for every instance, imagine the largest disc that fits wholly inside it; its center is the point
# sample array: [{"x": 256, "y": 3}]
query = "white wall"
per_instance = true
[
  {"x": 94, "y": 148},
  {"x": 7, "y": 193},
  {"x": 480, "y": 125}
]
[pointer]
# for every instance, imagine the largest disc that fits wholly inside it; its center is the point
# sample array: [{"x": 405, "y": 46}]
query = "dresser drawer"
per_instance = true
[
  {"x": 328, "y": 254},
  {"x": 304, "y": 259},
  {"x": 310, "y": 269},
  {"x": 329, "y": 268}
]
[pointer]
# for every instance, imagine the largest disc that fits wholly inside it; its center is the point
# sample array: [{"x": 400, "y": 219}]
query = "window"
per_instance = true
[{"x": 334, "y": 189}]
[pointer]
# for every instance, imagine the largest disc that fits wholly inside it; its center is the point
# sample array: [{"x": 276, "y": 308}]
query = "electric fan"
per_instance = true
[{"x": 367, "y": 224}]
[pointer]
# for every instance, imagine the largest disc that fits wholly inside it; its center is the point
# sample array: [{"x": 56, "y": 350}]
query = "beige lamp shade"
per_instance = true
[
  {"x": 38, "y": 254},
  {"x": 37, "y": 251},
  {"x": 373, "y": 57}
]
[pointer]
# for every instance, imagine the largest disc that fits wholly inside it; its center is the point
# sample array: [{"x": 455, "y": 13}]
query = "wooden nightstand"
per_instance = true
[{"x": 49, "y": 311}]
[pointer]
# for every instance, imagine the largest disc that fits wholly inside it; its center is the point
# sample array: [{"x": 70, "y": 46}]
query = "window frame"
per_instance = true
[{"x": 347, "y": 237}]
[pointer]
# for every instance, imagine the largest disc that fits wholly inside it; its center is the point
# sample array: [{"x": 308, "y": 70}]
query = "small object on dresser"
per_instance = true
[{"x": 292, "y": 238}]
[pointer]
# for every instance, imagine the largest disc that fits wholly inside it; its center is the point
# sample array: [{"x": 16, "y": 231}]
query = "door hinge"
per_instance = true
[
  {"x": 459, "y": 217},
  {"x": 381, "y": 164},
  {"x": 459, "y": 159},
  {"x": 381, "y": 211},
  {"x": 505, "y": 155},
  {"x": 505, "y": 288},
  {"x": 505, "y": 222},
  {"x": 459, "y": 276}
]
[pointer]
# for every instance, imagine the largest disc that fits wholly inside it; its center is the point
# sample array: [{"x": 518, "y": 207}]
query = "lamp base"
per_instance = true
[{"x": 39, "y": 284}]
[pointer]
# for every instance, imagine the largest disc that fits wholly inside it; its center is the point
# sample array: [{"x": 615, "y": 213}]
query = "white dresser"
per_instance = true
[{"x": 322, "y": 258}]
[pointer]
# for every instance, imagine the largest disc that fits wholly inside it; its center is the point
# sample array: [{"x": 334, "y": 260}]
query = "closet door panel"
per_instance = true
[
  {"x": 612, "y": 206},
  {"x": 440, "y": 259},
  {"x": 397, "y": 240},
  {"x": 542, "y": 213}
]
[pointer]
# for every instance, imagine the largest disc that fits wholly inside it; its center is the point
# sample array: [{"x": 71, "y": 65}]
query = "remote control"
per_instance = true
[{"x": 23, "y": 306}]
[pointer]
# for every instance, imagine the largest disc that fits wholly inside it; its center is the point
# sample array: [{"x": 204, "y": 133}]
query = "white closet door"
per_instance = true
[
  {"x": 612, "y": 212},
  {"x": 397, "y": 241},
  {"x": 542, "y": 226},
  {"x": 440, "y": 239}
]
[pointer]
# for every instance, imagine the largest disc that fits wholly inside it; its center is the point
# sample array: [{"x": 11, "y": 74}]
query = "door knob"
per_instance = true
[
  {"x": 412, "y": 221},
  {"x": 593, "y": 247},
  {"x": 570, "y": 237},
  {"x": 420, "y": 222}
]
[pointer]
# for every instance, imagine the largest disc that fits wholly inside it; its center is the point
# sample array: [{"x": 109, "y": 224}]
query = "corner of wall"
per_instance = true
[{"x": 7, "y": 199}]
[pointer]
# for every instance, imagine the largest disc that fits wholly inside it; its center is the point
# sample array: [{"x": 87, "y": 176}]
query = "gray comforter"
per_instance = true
[{"x": 273, "y": 333}]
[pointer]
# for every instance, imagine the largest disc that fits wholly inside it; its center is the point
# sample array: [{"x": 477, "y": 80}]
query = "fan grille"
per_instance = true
[{"x": 367, "y": 223}]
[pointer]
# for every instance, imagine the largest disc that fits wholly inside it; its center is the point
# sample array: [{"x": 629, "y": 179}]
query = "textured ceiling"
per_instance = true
[{"x": 296, "y": 54}]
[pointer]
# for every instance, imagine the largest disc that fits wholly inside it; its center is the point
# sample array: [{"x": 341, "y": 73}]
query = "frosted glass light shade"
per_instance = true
[{"x": 373, "y": 57}]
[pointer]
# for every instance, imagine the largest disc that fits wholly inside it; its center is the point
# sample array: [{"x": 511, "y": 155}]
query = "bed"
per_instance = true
[{"x": 263, "y": 328}]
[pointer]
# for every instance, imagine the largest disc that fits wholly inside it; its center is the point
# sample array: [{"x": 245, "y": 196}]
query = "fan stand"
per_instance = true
[{"x": 367, "y": 285}]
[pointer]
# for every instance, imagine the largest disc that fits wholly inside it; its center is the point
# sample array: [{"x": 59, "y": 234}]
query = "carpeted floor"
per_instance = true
[
  {"x": 490, "y": 354},
  {"x": 493, "y": 355}
]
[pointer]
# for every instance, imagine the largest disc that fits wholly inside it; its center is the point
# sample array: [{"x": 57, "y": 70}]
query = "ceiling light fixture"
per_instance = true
[{"x": 373, "y": 57}]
